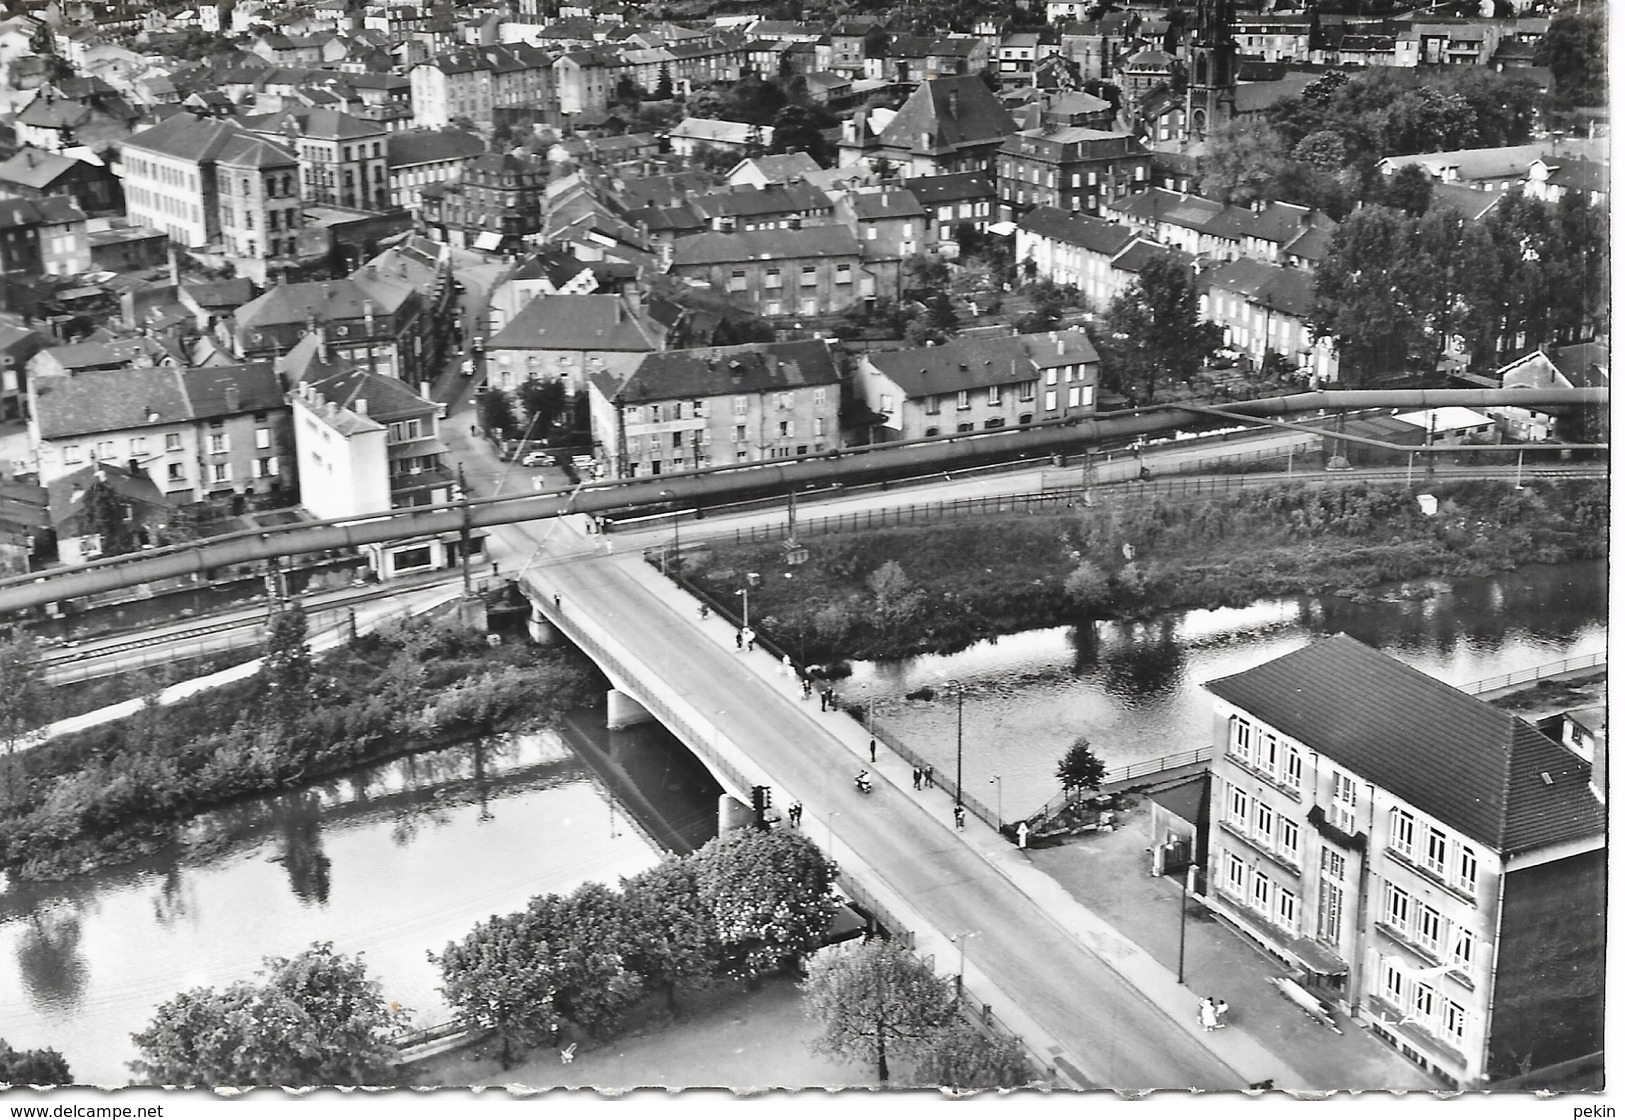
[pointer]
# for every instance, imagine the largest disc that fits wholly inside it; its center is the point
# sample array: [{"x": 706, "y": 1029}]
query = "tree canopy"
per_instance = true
[
  {"x": 770, "y": 894},
  {"x": 962, "y": 1057},
  {"x": 1575, "y": 49},
  {"x": 877, "y": 1001},
  {"x": 1080, "y": 767},
  {"x": 313, "y": 1019},
  {"x": 1158, "y": 336},
  {"x": 32, "y": 1067}
]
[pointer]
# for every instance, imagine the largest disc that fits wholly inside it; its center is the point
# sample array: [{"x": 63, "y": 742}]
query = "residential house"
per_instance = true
[
  {"x": 889, "y": 222},
  {"x": 34, "y": 173},
  {"x": 967, "y": 196},
  {"x": 679, "y": 410},
  {"x": 777, "y": 206},
  {"x": 85, "y": 357},
  {"x": 787, "y": 273},
  {"x": 759, "y": 171},
  {"x": 1581, "y": 366},
  {"x": 1072, "y": 168},
  {"x": 1074, "y": 249},
  {"x": 80, "y": 533},
  {"x": 568, "y": 338},
  {"x": 1422, "y": 861},
  {"x": 454, "y": 84},
  {"x": 1275, "y": 36},
  {"x": 261, "y": 213},
  {"x": 946, "y": 125},
  {"x": 1550, "y": 179},
  {"x": 585, "y": 79},
  {"x": 694, "y": 133},
  {"x": 18, "y": 345},
  {"x": 210, "y": 432},
  {"x": 978, "y": 384},
  {"x": 1273, "y": 231},
  {"x": 367, "y": 444},
  {"x": 170, "y": 177},
  {"x": 368, "y": 318},
  {"x": 1265, "y": 309},
  {"x": 342, "y": 160},
  {"x": 75, "y": 112},
  {"x": 418, "y": 157},
  {"x": 495, "y": 206},
  {"x": 1019, "y": 53},
  {"x": 1495, "y": 169}
]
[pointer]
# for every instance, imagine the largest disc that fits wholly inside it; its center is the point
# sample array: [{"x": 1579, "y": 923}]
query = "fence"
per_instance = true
[
  {"x": 1130, "y": 772},
  {"x": 945, "y": 781},
  {"x": 1539, "y": 672}
]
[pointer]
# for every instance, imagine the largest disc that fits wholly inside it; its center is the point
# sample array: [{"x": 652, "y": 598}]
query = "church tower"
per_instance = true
[{"x": 1210, "y": 93}]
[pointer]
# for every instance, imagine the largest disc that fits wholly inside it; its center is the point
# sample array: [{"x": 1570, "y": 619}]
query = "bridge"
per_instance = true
[{"x": 1091, "y": 1007}]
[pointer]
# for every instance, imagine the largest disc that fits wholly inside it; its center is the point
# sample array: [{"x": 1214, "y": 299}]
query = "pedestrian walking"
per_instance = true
[
  {"x": 834, "y": 705},
  {"x": 806, "y": 688},
  {"x": 705, "y": 611},
  {"x": 916, "y": 777},
  {"x": 795, "y": 815},
  {"x": 1207, "y": 1015},
  {"x": 1021, "y": 835},
  {"x": 558, "y": 604},
  {"x": 739, "y": 639},
  {"x": 871, "y": 748},
  {"x": 1221, "y": 1010},
  {"x": 930, "y": 777},
  {"x": 959, "y": 817},
  {"x": 750, "y": 640}
]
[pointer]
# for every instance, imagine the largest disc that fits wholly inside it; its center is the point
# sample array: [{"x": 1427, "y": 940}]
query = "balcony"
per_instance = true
[{"x": 1322, "y": 824}]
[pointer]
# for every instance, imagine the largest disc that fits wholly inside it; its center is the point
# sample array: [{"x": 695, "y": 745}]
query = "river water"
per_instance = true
[
  {"x": 1135, "y": 689},
  {"x": 392, "y": 860}
]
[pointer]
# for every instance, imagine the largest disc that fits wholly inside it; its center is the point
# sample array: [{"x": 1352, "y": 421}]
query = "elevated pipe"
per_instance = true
[{"x": 718, "y": 484}]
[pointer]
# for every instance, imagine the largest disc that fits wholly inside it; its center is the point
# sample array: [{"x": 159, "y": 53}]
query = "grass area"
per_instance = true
[
  {"x": 937, "y": 589},
  {"x": 79, "y": 697},
  {"x": 116, "y": 791}
]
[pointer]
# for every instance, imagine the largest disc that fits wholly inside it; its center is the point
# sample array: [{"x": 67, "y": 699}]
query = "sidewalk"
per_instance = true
[{"x": 1268, "y": 1039}]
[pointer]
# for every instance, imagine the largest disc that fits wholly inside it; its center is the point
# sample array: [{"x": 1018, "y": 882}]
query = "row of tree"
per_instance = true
[
  {"x": 743, "y": 906},
  {"x": 1396, "y": 290}
]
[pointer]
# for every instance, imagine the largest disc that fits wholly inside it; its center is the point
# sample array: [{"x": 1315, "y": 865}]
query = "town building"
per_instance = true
[
  {"x": 342, "y": 161},
  {"x": 1424, "y": 862},
  {"x": 784, "y": 273},
  {"x": 34, "y": 173},
  {"x": 978, "y": 384},
  {"x": 1071, "y": 168},
  {"x": 1074, "y": 249},
  {"x": 680, "y": 410},
  {"x": 776, "y": 206},
  {"x": 261, "y": 213},
  {"x": 567, "y": 338},
  {"x": 946, "y": 125},
  {"x": 965, "y": 197},
  {"x": 1581, "y": 366},
  {"x": 494, "y": 206},
  {"x": 170, "y": 176},
  {"x": 693, "y": 134},
  {"x": 373, "y": 320},
  {"x": 889, "y": 222},
  {"x": 418, "y": 157},
  {"x": 80, "y": 532},
  {"x": 1266, "y": 309}
]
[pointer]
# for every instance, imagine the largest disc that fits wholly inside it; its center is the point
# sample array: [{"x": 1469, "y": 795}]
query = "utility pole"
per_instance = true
[{"x": 466, "y": 531}]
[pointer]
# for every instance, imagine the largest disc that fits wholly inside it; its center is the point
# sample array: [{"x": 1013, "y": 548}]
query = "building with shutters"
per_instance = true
[{"x": 1424, "y": 862}]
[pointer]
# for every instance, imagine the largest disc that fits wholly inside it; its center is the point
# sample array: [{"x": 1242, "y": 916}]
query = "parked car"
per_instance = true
[{"x": 537, "y": 459}]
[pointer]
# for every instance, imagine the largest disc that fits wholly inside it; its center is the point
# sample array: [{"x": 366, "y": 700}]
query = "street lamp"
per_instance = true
[
  {"x": 1184, "y": 899},
  {"x": 745, "y": 591},
  {"x": 959, "y": 978},
  {"x": 676, "y": 538},
  {"x": 998, "y": 780},
  {"x": 959, "y": 746}
]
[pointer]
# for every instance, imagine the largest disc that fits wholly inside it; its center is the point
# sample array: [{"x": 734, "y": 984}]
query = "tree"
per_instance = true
[
  {"x": 545, "y": 402},
  {"x": 314, "y": 1019},
  {"x": 1157, "y": 323},
  {"x": 796, "y": 129},
  {"x": 663, "y": 90},
  {"x": 1575, "y": 50},
  {"x": 670, "y": 938},
  {"x": 1365, "y": 279},
  {"x": 1080, "y": 768},
  {"x": 962, "y": 1057},
  {"x": 1241, "y": 162},
  {"x": 896, "y": 598},
  {"x": 924, "y": 273},
  {"x": 1088, "y": 588},
  {"x": 32, "y": 1067},
  {"x": 501, "y": 977},
  {"x": 1410, "y": 190},
  {"x": 496, "y": 411},
  {"x": 286, "y": 670},
  {"x": 876, "y": 1001},
  {"x": 26, "y": 700},
  {"x": 106, "y": 516},
  {"x": 769, "y": 894}
]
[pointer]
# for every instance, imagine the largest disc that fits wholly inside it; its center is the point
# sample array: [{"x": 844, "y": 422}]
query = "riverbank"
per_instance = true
[
  {"x": 900, "y": 592},
  {"x": 115, "y": 792}
]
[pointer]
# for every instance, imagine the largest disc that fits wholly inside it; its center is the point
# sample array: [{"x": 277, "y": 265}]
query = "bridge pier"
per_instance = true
[
  {"x": 625, "y": 711},
  {"x": 542, "y": 632},
  {"x": 731, "y": 814}
]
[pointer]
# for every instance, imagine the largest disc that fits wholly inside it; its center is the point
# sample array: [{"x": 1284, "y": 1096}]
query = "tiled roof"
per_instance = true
[
  {"x": 565, "y": 322},
  {"x": 1585, "y": 364},
  {"x": 1158, "y": 205},
  {"x": 687, "y": 374},
  {"x": 109, "y": 400},
  {"x": 416, "y": 146},
  {"x": 1471, "y": 766},
  {"x": 775, "y": 198},
  {"x": 1087, "y": 232},
  {"x": 256, "y": 151},
  {"x": 1287, "y": 290},
  {"x": 975, "y": 363},
  {"x": 765, "y": 244},
  {"x": 185, "y": 136},
  {"x": 1142, "y": 252},
  {"x": 32, "y": 167},
  {"x": 777, "y": 169},
  {"x": 707, "y": 130},
  {"x": 130, "y": 486},
  {"x": 223, "y": 294},
  {"x": 961, "y": 186},
  {"x": 323, "y": 124},
  {"x": 323, "y": 301},
  {"x": 388, "y": 399},
  {"x": 931, "y": 110},
  {"x": 258, "y": 389},
  {"x": 885, "y": 203}
]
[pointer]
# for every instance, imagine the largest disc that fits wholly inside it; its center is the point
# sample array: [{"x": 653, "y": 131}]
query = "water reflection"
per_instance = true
[
  {"x": 309, "y": 870},
  {"x": 1145, "y": 663},
  {"x": 49, "y": 959}
]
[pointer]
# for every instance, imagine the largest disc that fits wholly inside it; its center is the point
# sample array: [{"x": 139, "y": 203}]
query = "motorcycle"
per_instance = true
[{"x": 863, "y": 784}]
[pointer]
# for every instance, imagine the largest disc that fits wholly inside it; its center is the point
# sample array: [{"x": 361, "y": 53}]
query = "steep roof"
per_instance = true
[
  {"x": 783, "y": 168},
  {"x": 765, "y": 244},
  {"x": 568, "y": 322},
  {"x": 885, "y": 203},
  {"x": 1473, "y": 767},
  {"x": 199, "y": 139},
  {"x": 66, "y": 494},
  {"x": 775, "y": 198},
  {"x": 388, "y": 399},
  {"x": 954, "y": 112},
  {"x": 33, "y": 167},
  {"x": 324, "y": 301},
  {"x": 109, "y": 400},
  {"x": 208, "y": 389},
  {"x": 322, "y": 124},
  {"x": 255, "y": 151},
  {"x": 755, "y": 368},
  {"x": 1287, "y": 290},
  {"x": 961, "y": 186}
]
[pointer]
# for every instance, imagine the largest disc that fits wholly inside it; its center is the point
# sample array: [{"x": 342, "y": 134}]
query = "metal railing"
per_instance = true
[
  {"x": 944, "y": 781},
  {"x": 1129, "y": 772},
  {"x": 1539, "y": 672}
]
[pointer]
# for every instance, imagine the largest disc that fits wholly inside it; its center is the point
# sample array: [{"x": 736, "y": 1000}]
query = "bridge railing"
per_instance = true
[
  {"x": 1539, "y": 672},
  {"x": 894, "y": 743},
  {"x": 1120, "y": 774}
]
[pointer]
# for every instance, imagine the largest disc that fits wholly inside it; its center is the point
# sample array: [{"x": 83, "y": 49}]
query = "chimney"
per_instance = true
[
  {"x": 233, "y": 398},
  {"x": 360, "y": 406},
  {"x": 366, "y": 313},
  {"x": 78, "y": 492},
  {"x": 134, "y": 467},
  {"x": 953, "y": 103}
]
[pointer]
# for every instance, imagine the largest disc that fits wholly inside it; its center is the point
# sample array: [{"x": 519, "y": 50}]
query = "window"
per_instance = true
[
  {"x": 962, "y": 401},
  {"x": 1026, "y": 390},
  {"x": 1292, "y": 775},
  {"x": 843, "y": 274},
  {"x": 741, "y": 405},
  {"x": 177, "y": 472},
  {"x": 809, "y": 275},
  {"x": 1422, "y": 1003},
  {"x": 1049, "y": 400},
  {"x": 1268, "y": 755},
  {"x": 72, "y": 454},
  {"x": 739, "y": 434},
  {"x": 818, "y": 426},
  {"x": 995, "y": 396},
  {"x": 699, "y": 410},
  {"x": 1049, "y": 376},
  {"x": 1461, "y": 947},
  {"x": 104, "y": 449},
  {"x": 1467, "y": 869},
  {"x": 138, "y": 445},
  {"x": 1427, "y": 927},
  {"x": 809, "y": 306},
  {"x": 1264, "y": 822},
  {"x": 1286, "y": 909},
  {"x": 1236, "y": 803},
  {"x": 221, "y": 472},
  {"x": 1235, "y": 873},
  {"x": 933, "y": 405},
  {"x": 786, "y": 429},
  {"x": 774, "y": 278},
  {"x": 1396, "y": 907},
  {"x": 1345, "y": 799},
  {"x": 1074, "y": 396},
  {"x": 1455, "y": 1021},
  {"x": 1401, "y": 831},
  {"x": 1393, "y": 983},
  {"x": 218, "y": 443},
  {"x": 1241, "y": 739},
  {"x": 736, "y": 281},
  {"x": 1435, "y": 857},
  {"x": 1261, "y": 891},
  {"x": 1289, "y": 839},
  {"x": 820, "y": 397}
]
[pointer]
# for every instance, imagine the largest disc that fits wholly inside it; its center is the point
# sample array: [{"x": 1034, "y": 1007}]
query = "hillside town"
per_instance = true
[{"x": 270, "y": 266}]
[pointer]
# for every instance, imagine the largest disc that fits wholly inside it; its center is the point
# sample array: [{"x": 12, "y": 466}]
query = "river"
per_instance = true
[
  {"x": 392, "y": 860},
  {"x": 1135, "y": 689}
]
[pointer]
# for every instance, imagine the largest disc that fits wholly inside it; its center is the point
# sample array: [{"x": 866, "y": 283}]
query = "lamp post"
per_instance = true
[
  {"x": 959, "y": 978},
  {"x": 745, "y": 592},
  {"x": 998, "y": 781},
  {"x": 1184, "y": 898},
  {"x": 959, "y": 745},
  {"x": 676, "y": 537}
]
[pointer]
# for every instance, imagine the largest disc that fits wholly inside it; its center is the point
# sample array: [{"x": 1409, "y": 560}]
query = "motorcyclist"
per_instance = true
[{"x": 862, "y": 780}]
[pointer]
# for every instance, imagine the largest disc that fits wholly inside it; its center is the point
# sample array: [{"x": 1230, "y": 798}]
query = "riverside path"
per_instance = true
[{"x": 1087, "y": 1015}]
